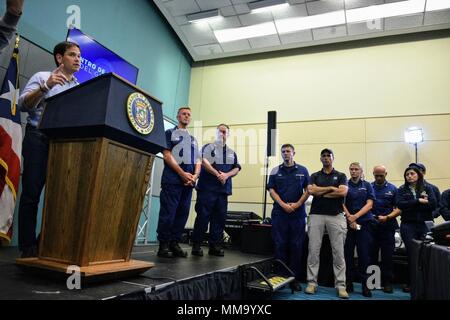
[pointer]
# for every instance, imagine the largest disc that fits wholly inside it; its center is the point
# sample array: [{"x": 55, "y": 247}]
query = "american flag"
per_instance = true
[{"x": 10, "y": 146}]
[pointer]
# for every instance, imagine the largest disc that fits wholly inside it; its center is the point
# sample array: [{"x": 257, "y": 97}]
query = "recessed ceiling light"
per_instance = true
[{"x": 258, "y": 30}]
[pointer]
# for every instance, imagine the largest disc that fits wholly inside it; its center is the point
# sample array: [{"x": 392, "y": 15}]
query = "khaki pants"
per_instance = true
[{"x": 337, "y": 231}]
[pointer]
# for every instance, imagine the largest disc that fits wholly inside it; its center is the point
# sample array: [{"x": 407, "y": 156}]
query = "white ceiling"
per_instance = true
[{"x": 200, "y": 41}]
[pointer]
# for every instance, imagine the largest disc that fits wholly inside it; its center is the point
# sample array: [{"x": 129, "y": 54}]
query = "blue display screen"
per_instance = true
[{"x": 97, "y": 59}]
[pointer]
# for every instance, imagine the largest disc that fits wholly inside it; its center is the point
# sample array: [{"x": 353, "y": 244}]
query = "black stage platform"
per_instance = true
[{"x": 205, "y": 278}]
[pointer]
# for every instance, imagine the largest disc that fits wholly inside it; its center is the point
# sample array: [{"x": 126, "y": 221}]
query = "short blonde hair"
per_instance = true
[{"x": 183, "y": 108}]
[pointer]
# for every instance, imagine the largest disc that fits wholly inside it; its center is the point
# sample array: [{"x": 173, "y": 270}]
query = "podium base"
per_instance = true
[{"x": 114, "y": 269}]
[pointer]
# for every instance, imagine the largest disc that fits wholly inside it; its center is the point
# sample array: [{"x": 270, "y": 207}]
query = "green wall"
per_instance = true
[{"x": 133, "y": 29}]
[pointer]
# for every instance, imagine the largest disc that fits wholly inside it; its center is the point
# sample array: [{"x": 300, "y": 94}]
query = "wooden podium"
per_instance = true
[{"x": 98, "y": 171}]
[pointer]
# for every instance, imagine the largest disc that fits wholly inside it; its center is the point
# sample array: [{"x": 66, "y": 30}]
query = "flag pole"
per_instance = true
[{"x": 16, "y": 56}]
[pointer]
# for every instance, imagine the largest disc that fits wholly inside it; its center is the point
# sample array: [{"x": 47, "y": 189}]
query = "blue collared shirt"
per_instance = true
[
  {"x": 289, "y": 183},
  {"x": 357, "y": 196},
  {"x": 35, "y": 113},
  {"x": 184, "y": 150},
  {"x": 222, "y": 158},
  {"x": 384, "y": 200}
]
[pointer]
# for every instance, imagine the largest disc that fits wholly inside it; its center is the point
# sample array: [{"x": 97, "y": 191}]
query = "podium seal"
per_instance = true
[{"x": 140, "y": 113}]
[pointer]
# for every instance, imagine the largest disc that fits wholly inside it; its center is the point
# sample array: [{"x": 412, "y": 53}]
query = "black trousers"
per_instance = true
[{"x": 35, "y": 156}]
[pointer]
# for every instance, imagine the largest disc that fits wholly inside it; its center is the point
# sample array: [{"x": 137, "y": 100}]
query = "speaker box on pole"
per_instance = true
[{"x": 271, "y": 136}]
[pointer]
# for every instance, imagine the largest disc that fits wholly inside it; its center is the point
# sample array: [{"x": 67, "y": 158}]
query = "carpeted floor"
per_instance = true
[{"x": 325, "y": 293}]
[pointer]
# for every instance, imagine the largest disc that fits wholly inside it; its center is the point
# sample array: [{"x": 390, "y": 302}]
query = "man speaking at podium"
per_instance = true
[
  {"x": 41, "y": 86},
  {"x": 182, "y": 166}
]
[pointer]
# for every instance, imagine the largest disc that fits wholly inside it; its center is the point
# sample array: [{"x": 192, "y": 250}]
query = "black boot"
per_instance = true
[
  {"x": 295, "y": 286},
  {"x": 164, "y": 251},
  {"x": 349, "y": 286},
  {"x": 215, "y": 250},
  {"x": 197, "y": 249},
  {"x": 388, "y": 288},
  {"x": 366, "y": 292},
  {"x": 29, "y": 252},
  {"x": 176, "y": 250}
]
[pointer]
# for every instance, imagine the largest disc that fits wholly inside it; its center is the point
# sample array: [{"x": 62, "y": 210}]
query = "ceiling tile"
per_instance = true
[
  {"x": 255, "y": 18},
  {"x": 198, "y": 34},
  {"x": 241, "y": 1},
  {"x": 264, "y": 42},
  {"x": 351, "y": 4},
  {"x": 212, "y": 4},
  {"x": 180, "y": 7},
  {"x": 324, "y": 6},
  {"x": 241, "y": 9},
  {"x": 403, "y": 22},
  {"x": 233, "y": 46},
  {"x": 437, "y": 17},
  {"x": 225, "y": 23},
  {"x": 181, "y": 20},
  {"x": 366, "y": 27},
  {"x": 301, "y": 36},
  {"x": 208, "y": 50},
  {"x": 199, "y": 39},
  {"x": 329, "y": 32},
  {"x": 293, "y": 11},
  {"x": 227, "y": 11}
]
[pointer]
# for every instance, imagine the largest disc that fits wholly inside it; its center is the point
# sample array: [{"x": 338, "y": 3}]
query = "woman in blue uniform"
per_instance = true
[
  {"x": 416, "y": 200},
  {"x": 357, "y": 207}
]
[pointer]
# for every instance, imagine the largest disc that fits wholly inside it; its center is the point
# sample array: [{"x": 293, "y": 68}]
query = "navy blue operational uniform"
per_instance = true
[
  {"x": 414, "y": 214},
  {"x": 212, "y": 195},
  {"x": 437, "y": 195},
  {"x": 175, "y": 197},
  {"x": 444, "y": 205},
  {"x": 357, "y": 196},
  {"x": 288, "y": 229},
  {"x": 384, "y": 233}
]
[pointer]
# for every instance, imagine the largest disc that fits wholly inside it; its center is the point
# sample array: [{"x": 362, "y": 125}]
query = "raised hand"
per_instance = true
[
  {"x": 57, "y": 77},
  {"x": 14, "y": 6}
]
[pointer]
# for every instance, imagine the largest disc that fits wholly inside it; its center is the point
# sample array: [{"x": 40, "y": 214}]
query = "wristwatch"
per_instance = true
[{"x": 43, "y": 87}]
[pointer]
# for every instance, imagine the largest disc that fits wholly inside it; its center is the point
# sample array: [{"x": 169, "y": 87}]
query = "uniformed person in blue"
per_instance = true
[
  {"x": 435, "y": 189},
  {"x": 358, "y": 205},
  {"x": 444, "y": 207},
  {"x": 385, "y": 211},
  {"x": 287, "y": 185},
  {"x": 182, "y": 166},
  {"x": 219, "y": 166},
  {"x": 417, "y": 202}
]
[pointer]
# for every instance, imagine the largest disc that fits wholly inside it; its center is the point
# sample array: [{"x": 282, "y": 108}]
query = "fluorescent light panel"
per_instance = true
[
  {"x": 434, "y": 5},
  {"x": 258, "y": 30},
  {"x": 316, "y": 21},
  {"x": 266, "y": 5},
  {"x": 204, "y": 16},
  {"x": 395, "y": 9},
  {"x": 273, "y": 8},
  {"x": 330, "y": 19}
]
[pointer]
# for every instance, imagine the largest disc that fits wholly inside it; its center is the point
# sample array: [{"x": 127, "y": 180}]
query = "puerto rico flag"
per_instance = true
[{"x": 10, "y": 147}]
